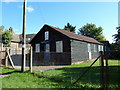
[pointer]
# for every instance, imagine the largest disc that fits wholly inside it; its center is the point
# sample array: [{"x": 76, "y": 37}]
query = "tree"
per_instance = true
[
  {"x": 1, "y": 30},
  {"x": 115, "y": 46},
  {"x": 70, "y": 28},
  {"x": 92, "y": 31},
  {"x": 7, "y": 37},
  {"x": 117, "y": 36}
]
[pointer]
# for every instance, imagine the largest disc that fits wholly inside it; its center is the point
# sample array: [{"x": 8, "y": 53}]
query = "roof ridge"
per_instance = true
[{"x": 75, "y": 36}]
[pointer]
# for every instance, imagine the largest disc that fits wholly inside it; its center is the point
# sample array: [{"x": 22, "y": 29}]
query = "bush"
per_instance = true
[{"x": 114, "y": 55}]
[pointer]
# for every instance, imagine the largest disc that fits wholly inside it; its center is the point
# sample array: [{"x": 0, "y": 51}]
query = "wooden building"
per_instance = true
[{"x": 54, "y": 46}]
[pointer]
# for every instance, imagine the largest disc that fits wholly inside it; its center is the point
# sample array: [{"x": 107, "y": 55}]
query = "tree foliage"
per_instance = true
[
  {"x": 6, "y": 36},
  {"x": 117, "y": 36},
  {"x": 90, "y": 30},
  {"x": 70, "y": 28},
  {"x": 1, "y": 30},
  {"x": 115, "y": 46}
]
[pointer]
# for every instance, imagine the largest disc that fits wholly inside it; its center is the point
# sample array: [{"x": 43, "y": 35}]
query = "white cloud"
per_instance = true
[{"x": 30, "y": 9}]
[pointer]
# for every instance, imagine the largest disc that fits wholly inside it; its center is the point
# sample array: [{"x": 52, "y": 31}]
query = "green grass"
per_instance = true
[{"x": 61, "y": 77}]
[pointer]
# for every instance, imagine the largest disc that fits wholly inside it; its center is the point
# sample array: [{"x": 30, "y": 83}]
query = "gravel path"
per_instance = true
[
  {"x": 2, "y": 75},
  {"x": 42, "y": 68},
  {"x": 37, "y": 68}
]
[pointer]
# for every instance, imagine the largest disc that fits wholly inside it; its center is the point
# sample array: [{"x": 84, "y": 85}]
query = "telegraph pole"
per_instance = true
[
  {"x": 24, "y": 37},
  {"x": 118, "y": 28}
]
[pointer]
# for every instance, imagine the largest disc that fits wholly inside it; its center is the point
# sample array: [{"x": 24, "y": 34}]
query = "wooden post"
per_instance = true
[
  {"x": 102, "y": 71},
  {"x": 2, "y": 47},
  {"x": 6, "y": 58},
  {"x": 107, "y": 73},
  {"x": 31, "y": 55},
  {"x": 24, "y": 37},
  {"x": 10, "y": 59}
]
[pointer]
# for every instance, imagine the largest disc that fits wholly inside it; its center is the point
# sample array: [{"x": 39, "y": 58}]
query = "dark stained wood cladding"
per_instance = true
[
  {"x": 57, "y": 36},
  {"x": 55, "y": 58},
  {"x": 53, "y": 37}
]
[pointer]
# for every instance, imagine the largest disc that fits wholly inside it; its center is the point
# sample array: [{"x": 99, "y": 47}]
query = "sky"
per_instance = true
[{"x": 58, "y": 14}]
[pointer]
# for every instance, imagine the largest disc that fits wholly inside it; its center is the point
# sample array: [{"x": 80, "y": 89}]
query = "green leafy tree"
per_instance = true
[
  {"x": 117, "y": 36},
  {"x": 90, "y": 30},
  {"x": 1, "y": 30},
  {"x": 70, "y": 28},
  {"x": 115, "y": 46},
  {"x": 7, "y": 36}
]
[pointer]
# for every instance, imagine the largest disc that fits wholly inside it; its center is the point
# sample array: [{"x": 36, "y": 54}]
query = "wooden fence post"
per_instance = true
[
  {"x": 107, "y": 73},
  {"x": 2, "y": 47},
  {"x": 102, "y": 70},
  {"x": 31, "y": 55},
  {"x": 6, "y": 58},
  {"x": 10, "y": 59}
]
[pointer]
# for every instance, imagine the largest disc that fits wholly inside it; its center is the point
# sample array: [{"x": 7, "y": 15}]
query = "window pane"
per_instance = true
[
  {"x": 99, "y": 48},
  {"x": 37, "y": 47},
  {"x": 46, "y": 35},
  {"x": 47, "y": 48},
  {"x": 59, "y": 46},
  {"x": 95, "y": 48}
]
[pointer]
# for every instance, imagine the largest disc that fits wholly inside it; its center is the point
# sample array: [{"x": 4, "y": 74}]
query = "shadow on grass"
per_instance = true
[
  {"x": 93, "y": 77},
  {"x": 69, "y": 74},
  {"x": 10, "y": 72}
]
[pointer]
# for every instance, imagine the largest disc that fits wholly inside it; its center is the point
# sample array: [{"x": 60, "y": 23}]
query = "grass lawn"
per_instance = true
[{"x": 62, "y": 77}]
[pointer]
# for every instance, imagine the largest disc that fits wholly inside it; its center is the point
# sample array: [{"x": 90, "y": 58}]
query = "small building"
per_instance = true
[
  {"x": 28, "y": 37},
  {"x": 54, "y": 46}
]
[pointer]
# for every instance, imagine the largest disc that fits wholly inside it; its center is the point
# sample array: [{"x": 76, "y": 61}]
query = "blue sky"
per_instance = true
[{"x": 57, "y": 14}]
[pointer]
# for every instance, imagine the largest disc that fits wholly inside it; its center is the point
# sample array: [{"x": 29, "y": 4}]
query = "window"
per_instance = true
[
  {"x": 47, "y": 48},
  {"x": 89, "y": 48},
  {"x": 27, "y": 39},
  {"x": 46, "y": 35},
  {"x": 95, "y": 48},
  {"x": 100, "y": 47},
  {"x": 59, "y": 46},
  {"x": 37, "y": 48}
]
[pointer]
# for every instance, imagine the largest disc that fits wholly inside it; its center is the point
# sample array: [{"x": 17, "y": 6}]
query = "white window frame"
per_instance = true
[
  {"x": 47, "y": 35},
  {"x": 101, "y": 47},
  {"x": 37, "y": 48},
  {"x": 59, "y": 46},
  {"x": 89, "y": 47},
  {"x": 95, "y": 48}
]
